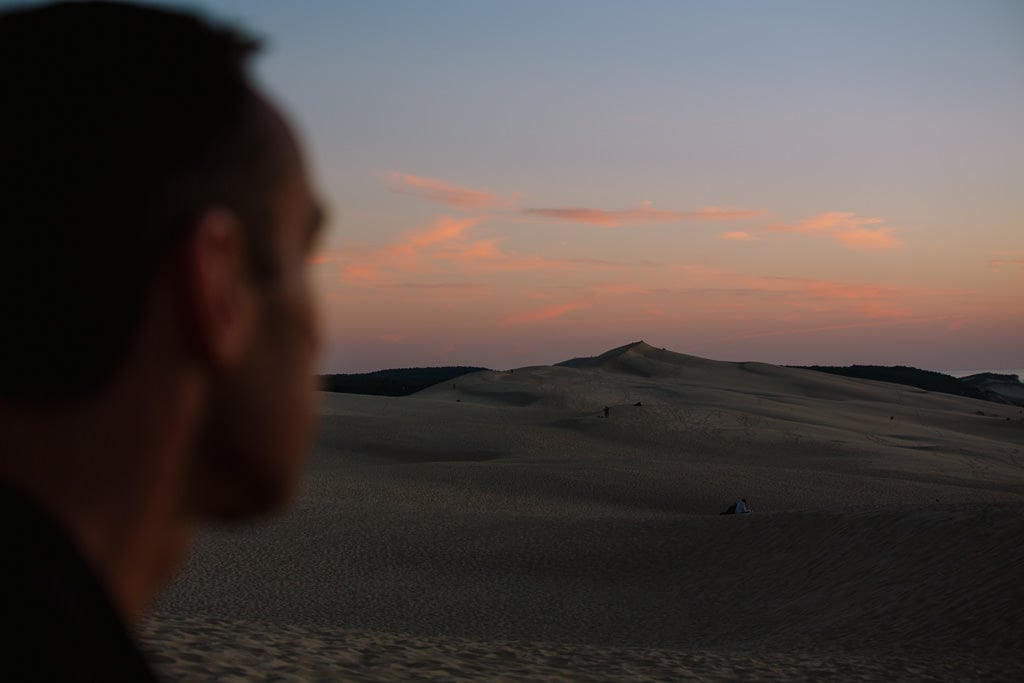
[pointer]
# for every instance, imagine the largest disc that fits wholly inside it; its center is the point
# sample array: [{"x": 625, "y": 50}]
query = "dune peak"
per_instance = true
[{"x": 638, "y": 358}]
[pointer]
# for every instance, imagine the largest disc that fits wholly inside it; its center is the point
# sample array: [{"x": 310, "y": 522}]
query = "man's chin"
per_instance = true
[{"x": 250, "y": 499}]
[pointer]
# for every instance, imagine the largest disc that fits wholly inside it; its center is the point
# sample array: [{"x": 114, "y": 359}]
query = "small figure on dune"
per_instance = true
[
  {"x": 606, "y": 410},
  {"x": 737, "y": 508},
  {"x": 638, "y": 403}
]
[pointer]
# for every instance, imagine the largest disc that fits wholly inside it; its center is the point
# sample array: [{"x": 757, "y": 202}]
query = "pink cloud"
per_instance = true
[
  {"x": 739, "y": 235},
  {"x": 489, "y": 255},
  {"x": 643, "y": 214},
  {"x": 800, "y": 297},
  {"x": 619, "y": 288},
  {"x": 829, "y": 289},
  {"x": 828, "y": 328},
  {"x": 704, "y": 270},
  {"x": 997, "y": 264},
  {"x": 359, "y": 273},
  {"x": 409, "y": 255},
  {"x": 444, "y": 247},
  {"x": 443, "y": 229},
  {"x": 827, "y": 222},
  {"x": 846, "y": 228},
  {"x": 441, "y": 192},
  {"x": 481, "y": 250},
  {"x": 868, "y": 239},
  {"x": 437, "y": 285},
  {"x": 546, "y": 313}
]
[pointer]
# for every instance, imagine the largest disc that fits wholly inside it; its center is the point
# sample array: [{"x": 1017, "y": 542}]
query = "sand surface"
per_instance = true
[{"x": 501, "y": 528}]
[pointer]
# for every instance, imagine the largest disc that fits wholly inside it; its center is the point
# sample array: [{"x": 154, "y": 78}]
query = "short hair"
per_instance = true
[{"x": 119, "y": 125}]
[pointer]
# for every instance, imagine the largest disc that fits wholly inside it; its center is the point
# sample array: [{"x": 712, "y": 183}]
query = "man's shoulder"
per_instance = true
[{"x": 59, "y": 622}]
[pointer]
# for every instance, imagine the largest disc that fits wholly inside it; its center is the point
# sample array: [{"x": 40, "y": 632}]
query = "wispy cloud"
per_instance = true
[
  {"x": 846, "y": 228},
  {"x": 643, "y": 214},
  {"x": 442, "y": 192},
  {"x": 445, "y": 248},
  {"x": 435, "y": 285},
  {"x": 881, "y": 238},
  {"x": 828, "y": 289},
  {"x": 410, "y": 254},
  {"x": 545, "y": 313},
  {"x": 488, "y": 255},
  {"x": 803, "y": 296},
  {"x": 737, "y": 236},
  {"x": 827, "y": 328},
  {"x": 997, "y": 264},
  {"x": 443, "y": 229}
]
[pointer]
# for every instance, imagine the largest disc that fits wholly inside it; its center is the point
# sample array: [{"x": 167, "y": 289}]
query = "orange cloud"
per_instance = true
[
  {"x": 547, "y": 313},
  {"x": 441, "y": 192},
  {"x": 643, "y": 214},
  {"x": 704, "y": 270},
  {"x": 489, "y": 255},
  {"x": 482, "y": 250},
  {"x": 359, "y": 273},
  {"x": 804, "y": 296},
  {"x": 868, "y": 239},
  {"x": 997, "y": 264},
  {"x": 443, "y": 246},
  {"x": 363, "y": 267},
  {"x": 740, "y": 235},
  {"x": 828, "y": 289},
  {"x": 827, "y": 222},
  {"x": 441, "y": 230},
  {"x": 827, "y": 328},
  {"x": 619, "y": 288},
  {"x": 436, "y": 285},
  {"x": 846, "y": 228}
]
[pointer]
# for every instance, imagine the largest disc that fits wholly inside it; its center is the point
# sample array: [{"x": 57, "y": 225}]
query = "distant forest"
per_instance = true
[
  {"x": 901, "y": 374},
  {"x": 398, "y": 382},
  {"x": 405, "y": 381}
]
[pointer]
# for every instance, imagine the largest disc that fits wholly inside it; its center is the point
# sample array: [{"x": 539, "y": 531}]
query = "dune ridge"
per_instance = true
[{"x": 501, "y": 527}]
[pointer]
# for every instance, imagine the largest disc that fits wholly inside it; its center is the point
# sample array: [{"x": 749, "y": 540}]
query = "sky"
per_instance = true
[{"x": 518, "y": 183}]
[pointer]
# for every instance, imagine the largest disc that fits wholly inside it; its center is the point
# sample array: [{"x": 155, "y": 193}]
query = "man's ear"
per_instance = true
[{"x": 221, "y": 298}]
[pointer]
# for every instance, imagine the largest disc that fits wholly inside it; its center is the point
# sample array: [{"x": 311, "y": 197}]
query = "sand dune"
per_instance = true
[{"x": 501, "y": 526}]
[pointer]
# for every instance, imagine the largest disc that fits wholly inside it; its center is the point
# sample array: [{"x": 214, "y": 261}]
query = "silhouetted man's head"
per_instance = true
[
  {"x": 132, "y": 148},
  {"x": 119, "y": 126}
]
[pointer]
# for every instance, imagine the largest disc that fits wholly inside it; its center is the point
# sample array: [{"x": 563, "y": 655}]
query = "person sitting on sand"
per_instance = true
[
  {"x": 159, "y": 343},
  {"x": 741, "y": 506}
]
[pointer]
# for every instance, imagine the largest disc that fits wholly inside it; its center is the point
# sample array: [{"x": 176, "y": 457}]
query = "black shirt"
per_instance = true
[{"x": 59, "y": 623}]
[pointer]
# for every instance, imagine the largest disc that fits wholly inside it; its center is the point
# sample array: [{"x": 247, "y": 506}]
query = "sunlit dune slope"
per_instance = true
[
  {"x": 786, "y": 420},
  {"x": 507, "y": 506}
]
